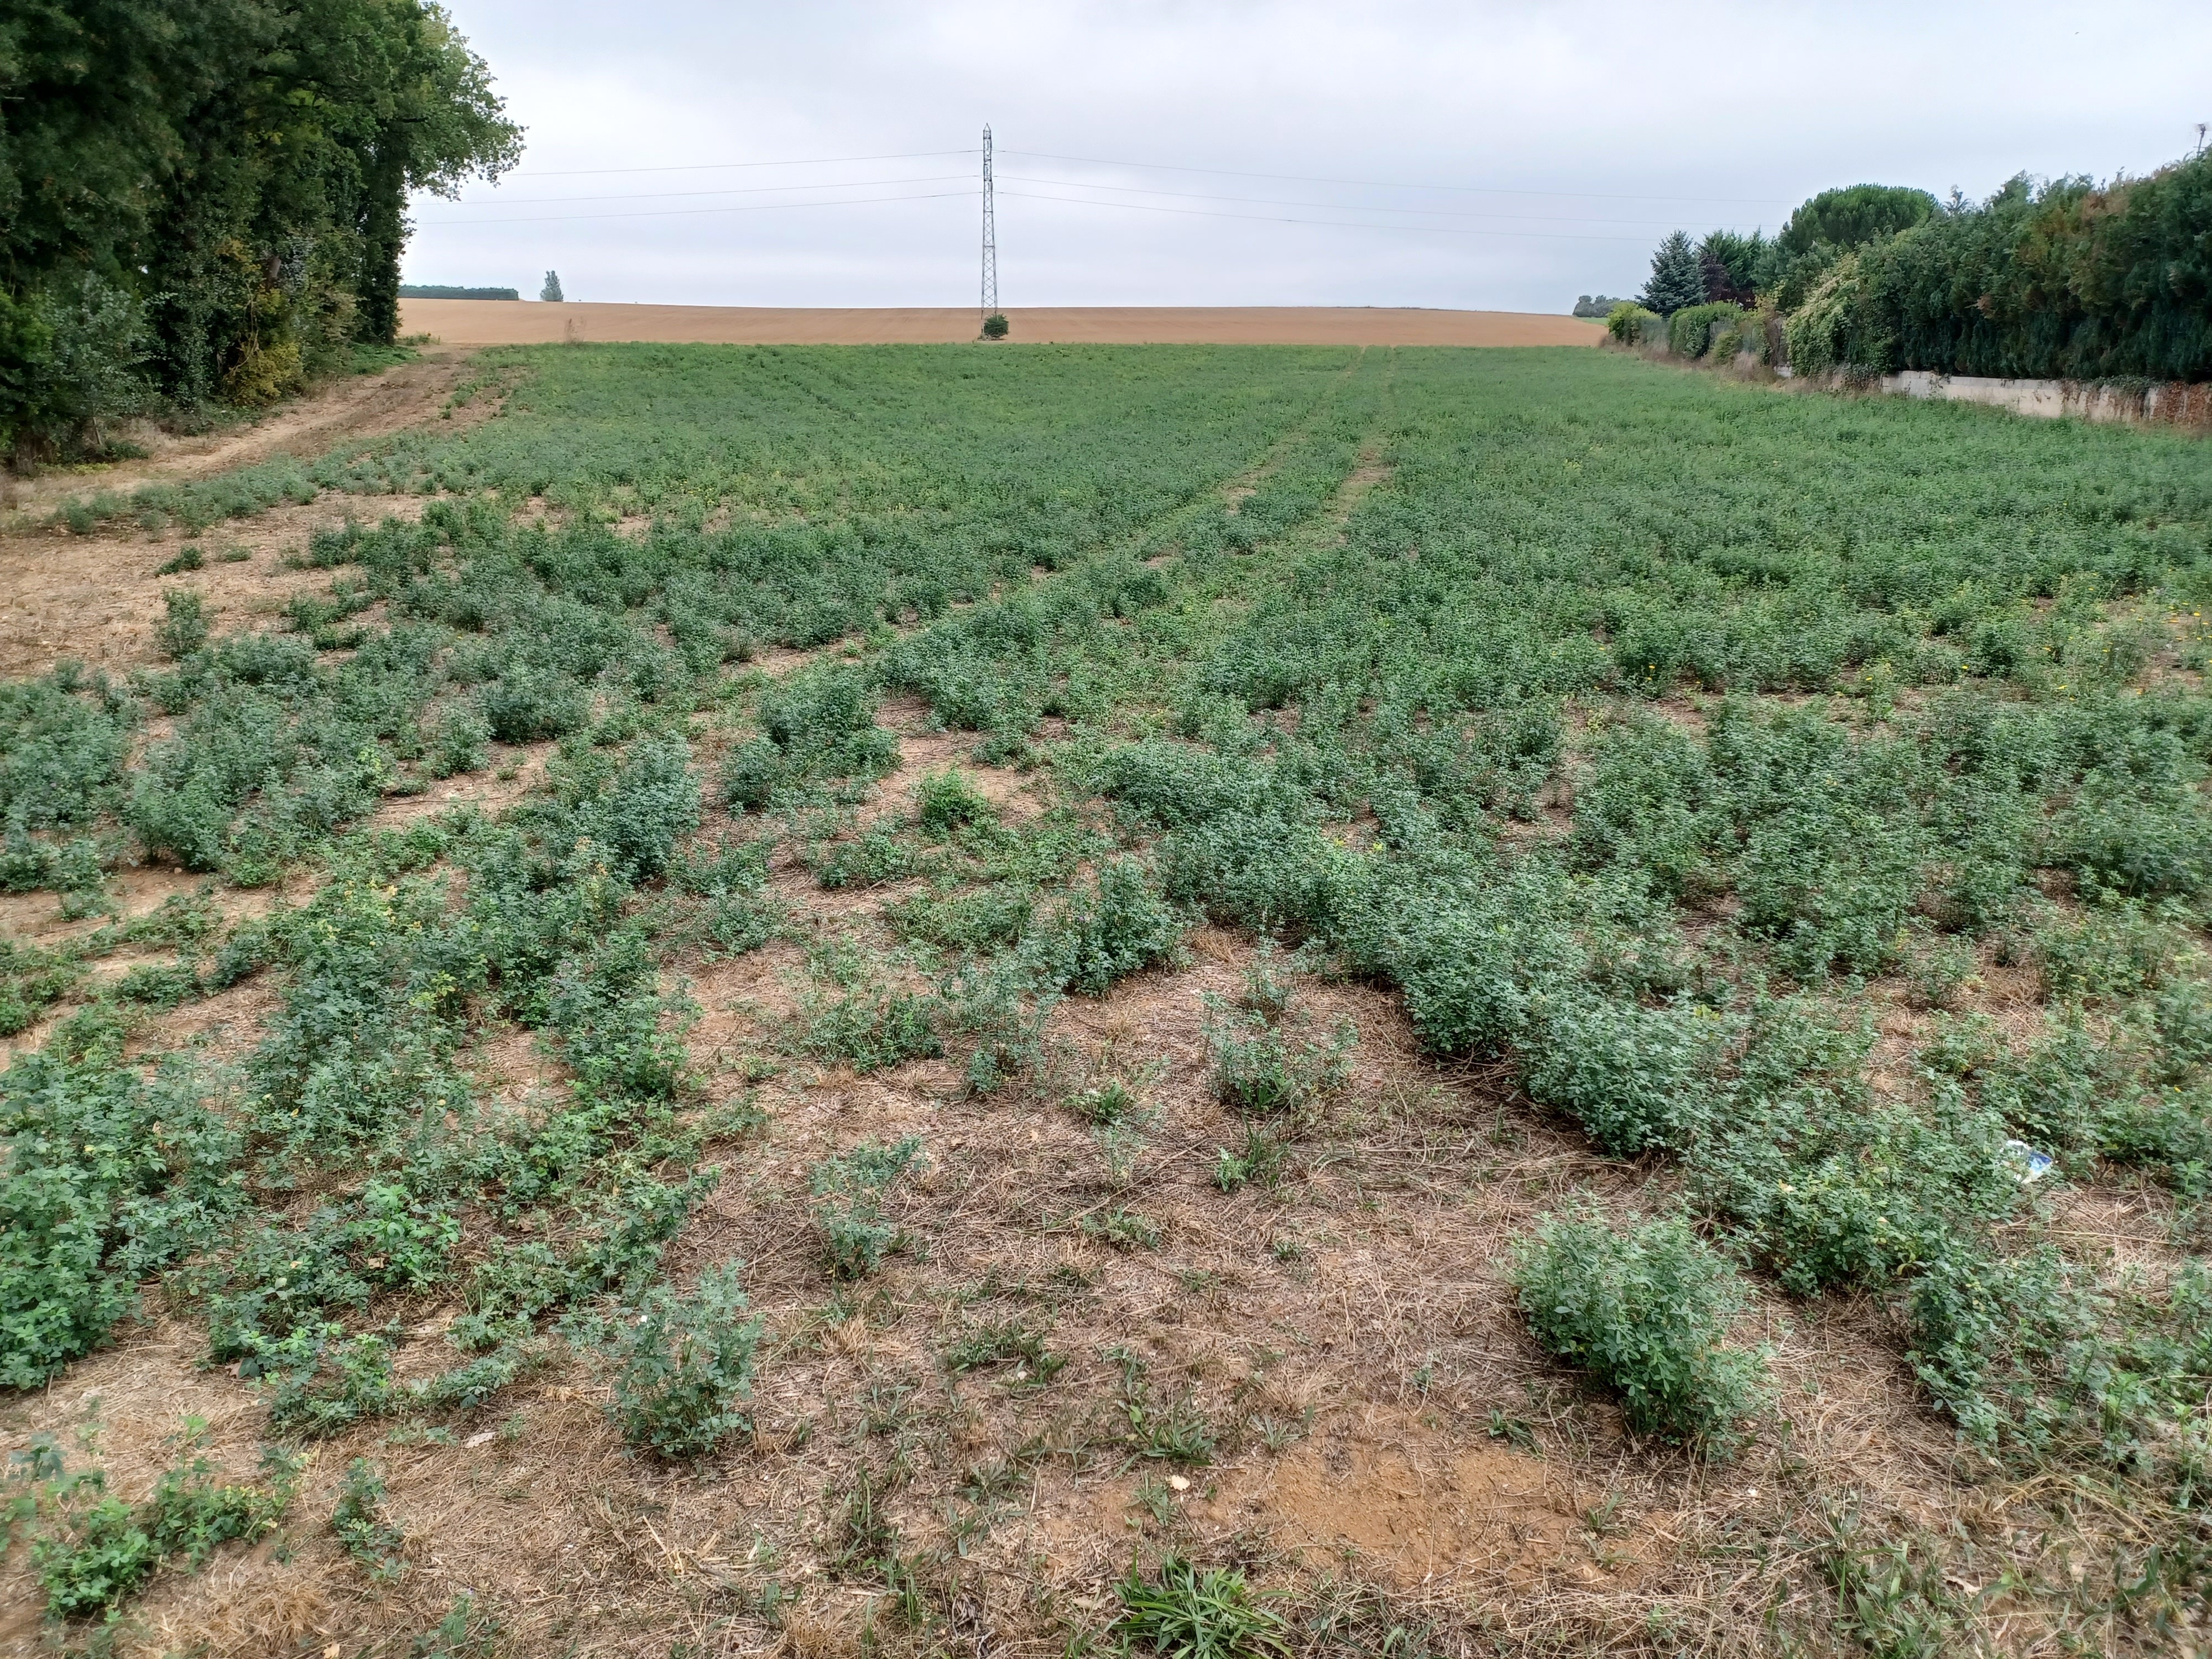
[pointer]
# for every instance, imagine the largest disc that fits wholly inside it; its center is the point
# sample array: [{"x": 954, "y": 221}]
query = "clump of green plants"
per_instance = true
[
  {"x": 873, "y": 1028},
  {"x": 1186, "y": 1612},
  {"x": 358, "y": 1520},
  {"x": 945, "y": 801},
  {"x": 684, "y": 1361},
  {"x": 818, "y": 724},
  {"x": 1122, "y": 1228},
  {"x": 101, "y": 1551},
  {"x": 1095, "y": 938},
  {"x": 1644, "y": 1310},
  {"x": 183, "y": 628},
  {"x": 1260, "y": 1159},
  {"x": 1005, "y": 1342},
  {"x": 1261, "y": 1071},
  {"x": 849, "y": 1204}
]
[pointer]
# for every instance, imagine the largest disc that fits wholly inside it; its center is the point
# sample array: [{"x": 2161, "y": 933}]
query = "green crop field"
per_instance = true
[{"x": 1302, "y": 1001}]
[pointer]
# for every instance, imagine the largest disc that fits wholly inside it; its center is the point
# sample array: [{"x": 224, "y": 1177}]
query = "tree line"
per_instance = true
[
  {"x": 2062, "y": 279},
  {"x": 203, "y": 202}
]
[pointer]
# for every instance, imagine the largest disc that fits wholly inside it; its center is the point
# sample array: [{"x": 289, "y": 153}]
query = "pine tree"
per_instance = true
[
  {"x": 552, "y": 289},
  {"x": 1678, "y": 278}
]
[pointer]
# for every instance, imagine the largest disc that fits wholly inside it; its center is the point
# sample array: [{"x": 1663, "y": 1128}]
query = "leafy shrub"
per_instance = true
[
  {"x": 2062, "y": 281},
  {"x": 1691, "y": 330},
  {"x": 880, "y": 855},
  {"x": 984, "y": 918},
  {"x": 1634, "y": 1077},
  {"x": 636, "y": 816},
  {"x": 683, "y": 1362},
  {"x": 1475, "y": 947},
  {"x": 822, "y": 721},
  {"x": 1834, "y": 887},
  {"x": 62, "y": 743},
  {"x": 107, "y": 1178},
  {"x": 2031, "y": 1352},
  {"x": 848, "y": 1191},
  {"x": 106, "y": 1554},
  {"x": 461, "y": 743},
  {"x": 1627, "y": 322},
  {"x": 1003, "y": 1342},
  {"x": 873, "y": 1029},
  {"x": 1261, "y": 1072},
  {"x": 407, "y": 1245},
  {"x": 1260, "y": 1159},
  {"x": 1645, "y": 1311},
  {"x": 529, "y": 705},
  {"x": 107, "y": 1549}
]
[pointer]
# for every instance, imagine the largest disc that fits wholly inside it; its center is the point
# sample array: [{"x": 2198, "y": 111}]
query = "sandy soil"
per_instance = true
[{"x": 499, "y": 322}]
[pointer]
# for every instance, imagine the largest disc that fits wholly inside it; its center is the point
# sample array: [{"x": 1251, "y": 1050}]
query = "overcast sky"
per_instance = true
[{"x": 1502, "y": 155}]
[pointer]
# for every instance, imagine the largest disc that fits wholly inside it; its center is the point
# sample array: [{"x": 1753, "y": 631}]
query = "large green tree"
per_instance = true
[
  {"x": 204, "y": 200},
  {"x": 1677, "y": 279}
]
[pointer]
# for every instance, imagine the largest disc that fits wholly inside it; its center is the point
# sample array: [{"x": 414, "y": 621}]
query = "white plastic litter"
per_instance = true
[{"x": 2034, "y": 1165}]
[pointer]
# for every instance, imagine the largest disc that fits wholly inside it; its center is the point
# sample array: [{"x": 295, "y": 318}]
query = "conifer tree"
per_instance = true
[{"x": 1678, "y": 278}]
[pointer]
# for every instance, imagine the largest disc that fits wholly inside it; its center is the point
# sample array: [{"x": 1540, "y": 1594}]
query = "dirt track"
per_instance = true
[
  {"x": 501, "y": 322},
  {"x": 356, "y": 406}
]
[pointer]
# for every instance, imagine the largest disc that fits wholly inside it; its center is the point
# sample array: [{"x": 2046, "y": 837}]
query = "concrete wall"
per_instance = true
[{"x": 2174, "y": 403}]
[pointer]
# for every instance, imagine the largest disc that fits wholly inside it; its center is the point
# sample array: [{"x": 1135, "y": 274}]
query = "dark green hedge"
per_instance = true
[{"x": 2067, "y": 282}]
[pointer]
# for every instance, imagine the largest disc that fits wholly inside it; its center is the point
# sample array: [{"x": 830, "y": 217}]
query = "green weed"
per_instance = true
[{"x": 1188, "y": 1612}]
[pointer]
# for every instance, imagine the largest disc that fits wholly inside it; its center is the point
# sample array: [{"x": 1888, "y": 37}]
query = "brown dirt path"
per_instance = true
[
  {"x": 500, "y": 322},
  {"x": 358, "y": 406}
]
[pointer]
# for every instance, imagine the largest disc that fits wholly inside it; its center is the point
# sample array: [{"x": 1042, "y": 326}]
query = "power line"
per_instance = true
[
  {"x": 1340, "y": 207},
  {"x": 737, "y": 190},
  {"x": 717, "y": 167},
  {"x": 1385, "y": 184},
  {"x": 1344, "y": 224},
  {"x": 678, "y": 213}
]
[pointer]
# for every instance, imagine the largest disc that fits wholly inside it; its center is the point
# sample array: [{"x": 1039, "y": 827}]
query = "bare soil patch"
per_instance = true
[{"x": 98, "y": 599}]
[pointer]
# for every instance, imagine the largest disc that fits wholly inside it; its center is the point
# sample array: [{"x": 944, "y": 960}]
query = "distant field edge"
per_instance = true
[{"x": 471, "y": 323}]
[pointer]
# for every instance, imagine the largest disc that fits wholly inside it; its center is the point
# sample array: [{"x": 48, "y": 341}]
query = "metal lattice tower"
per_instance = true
[{"x": 990, "y": 236}]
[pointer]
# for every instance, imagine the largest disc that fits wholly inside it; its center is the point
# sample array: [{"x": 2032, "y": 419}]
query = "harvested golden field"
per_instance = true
[{"x": 495, "y": 322}]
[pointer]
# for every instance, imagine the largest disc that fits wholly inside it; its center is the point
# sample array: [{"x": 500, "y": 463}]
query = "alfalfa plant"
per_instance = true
[
  {"x": 686, "y": 1361},
  {"x": 1645, "y": 1311},
  {"x": 183, "y": 628},
  {"x": 374, "y": 1542},
  {"x": 106, "y": 1549},
  {"x": 1092, "y": 939},
  {"x": 848, "y": 1211},
  {"x": 1188, "y": 1612},
  {"x": 1261, "y": 1071},
  {"x": 945, "y": 801}
]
